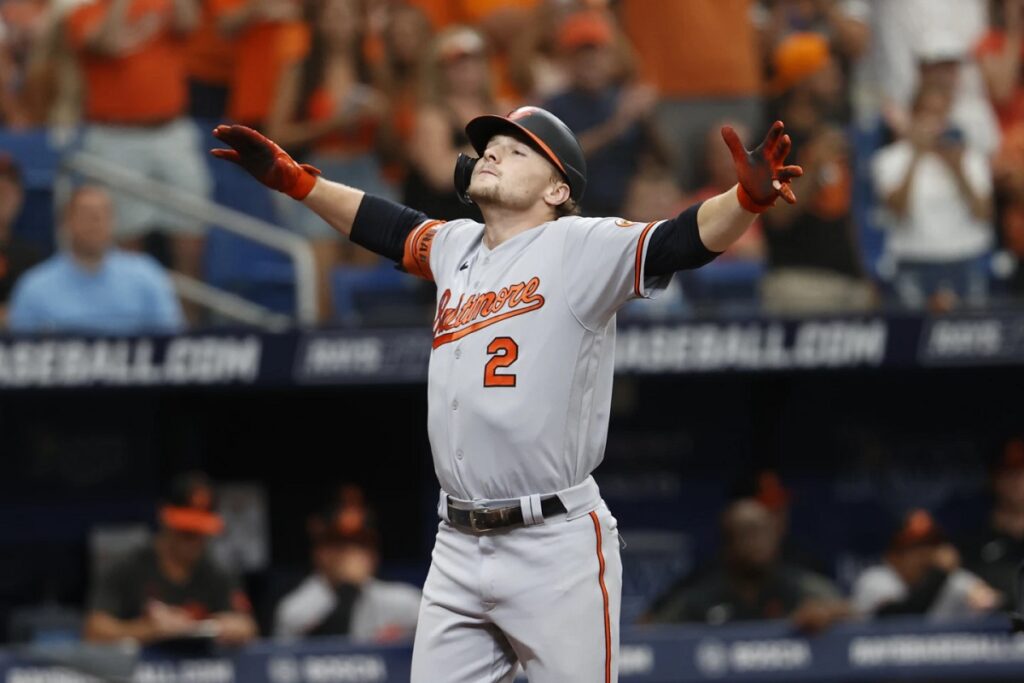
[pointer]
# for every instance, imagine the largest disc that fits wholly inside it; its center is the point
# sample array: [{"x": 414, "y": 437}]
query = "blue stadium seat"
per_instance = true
[
  {"x": 239, "y": 265},
  {"x": 725, "y": 286},
  {"x": 373, "y": 294},
  {"x": 870, "y": 238},
  {"x": 39, "y": 156}
]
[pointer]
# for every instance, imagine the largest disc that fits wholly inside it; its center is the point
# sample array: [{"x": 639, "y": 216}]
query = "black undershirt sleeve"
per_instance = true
[
  {"x": 382, "y": 225},
  {"x": 676, "y": 245}
]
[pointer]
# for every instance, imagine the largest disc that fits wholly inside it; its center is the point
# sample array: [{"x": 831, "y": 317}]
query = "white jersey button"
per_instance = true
[
  {"x": 455, "y": 404},
  {"x": 458, "y": 353},
  {"x": 458, "y": 454}
]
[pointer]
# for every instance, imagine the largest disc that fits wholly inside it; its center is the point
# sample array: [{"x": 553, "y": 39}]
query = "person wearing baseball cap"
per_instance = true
[
  {"x": 343, "y": 597},
  {"x": 752, "y": 582},
  {"x": 171, "y": 589},
  {"x": 517, "y": 415},
  {"x": 921, "y": 574},
  {"x": 16, "y": 255},
  {"x": 613, "y": 121}
]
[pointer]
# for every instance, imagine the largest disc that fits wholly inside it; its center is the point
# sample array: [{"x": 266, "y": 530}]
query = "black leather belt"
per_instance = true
[{"x": 499, "y": 518}]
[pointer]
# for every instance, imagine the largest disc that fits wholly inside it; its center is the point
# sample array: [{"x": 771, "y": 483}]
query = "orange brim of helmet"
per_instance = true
[{"x": 191, "y": 520}]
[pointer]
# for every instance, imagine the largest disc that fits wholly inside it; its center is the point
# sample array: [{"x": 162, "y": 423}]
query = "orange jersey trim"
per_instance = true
[
  {"x": 548, "y": 151},
  {"x": 416, "y": 259},
  {"x": 640, "y": 257},
  {"x": 604, "y": 595}
]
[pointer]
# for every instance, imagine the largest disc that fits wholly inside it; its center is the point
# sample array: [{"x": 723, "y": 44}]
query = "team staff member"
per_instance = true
[
  {"x": 165, "y": 589},
  {"x": 526, "y": 568},
  {"x": 343, "y": 597}
]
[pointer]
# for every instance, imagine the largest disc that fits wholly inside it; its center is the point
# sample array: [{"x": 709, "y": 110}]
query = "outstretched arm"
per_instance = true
[
  {"x": 379, "y": 225},
  {"x": 762, "y": 176},
  {"x": 701, "y": 232},
  {"x": 268, "y": 163}
]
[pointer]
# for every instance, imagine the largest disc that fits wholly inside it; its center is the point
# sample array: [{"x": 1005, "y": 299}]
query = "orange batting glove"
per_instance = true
[
  {"x": 760, "y": 171},
  {"x": 265, "y": 161}
]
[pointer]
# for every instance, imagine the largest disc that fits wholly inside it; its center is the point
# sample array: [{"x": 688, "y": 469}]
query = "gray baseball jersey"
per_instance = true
[
  {"x": 523, "y": 355},
  {"x": 519, "y": 394}
]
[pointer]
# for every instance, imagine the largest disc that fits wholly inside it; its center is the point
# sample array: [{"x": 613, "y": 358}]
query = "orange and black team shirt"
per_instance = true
[
  {"x": 262, "y": 53},
  {"x": 124, "y": 591}
]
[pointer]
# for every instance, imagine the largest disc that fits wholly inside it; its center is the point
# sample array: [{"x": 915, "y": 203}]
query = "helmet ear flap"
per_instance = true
[{"x": 463, "y": 174}]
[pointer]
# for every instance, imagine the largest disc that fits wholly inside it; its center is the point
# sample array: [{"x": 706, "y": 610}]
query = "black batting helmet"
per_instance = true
[{"x": 544, "y": 131}]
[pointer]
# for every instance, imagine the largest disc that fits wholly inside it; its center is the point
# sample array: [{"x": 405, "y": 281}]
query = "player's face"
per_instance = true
[{"x": 512, "y": 175}]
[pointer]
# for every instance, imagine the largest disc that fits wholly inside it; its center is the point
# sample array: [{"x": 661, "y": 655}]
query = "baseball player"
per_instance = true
[{"x": 526, "y": 564}]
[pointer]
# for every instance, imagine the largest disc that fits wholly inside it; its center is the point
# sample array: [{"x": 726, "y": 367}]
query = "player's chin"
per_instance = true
[
  {"x": 483, "y": 180},
  {"x": 483, "y": 191}
]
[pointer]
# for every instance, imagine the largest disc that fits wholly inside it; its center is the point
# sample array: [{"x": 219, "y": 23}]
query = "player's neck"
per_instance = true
[{"x": 501, "y": 225}]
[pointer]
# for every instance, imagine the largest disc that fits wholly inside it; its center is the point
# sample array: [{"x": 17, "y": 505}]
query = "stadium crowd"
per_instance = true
[{"x": 907, "y": 117}]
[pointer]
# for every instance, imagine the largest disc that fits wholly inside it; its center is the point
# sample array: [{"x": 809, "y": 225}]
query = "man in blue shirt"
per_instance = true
[{"x": 92, "y": 287}]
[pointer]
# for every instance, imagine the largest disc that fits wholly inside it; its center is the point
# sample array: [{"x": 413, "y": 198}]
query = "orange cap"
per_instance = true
[
  {"x": 797, "y": 57},
  {"x": 190, "y": 506},
  {"x": 585, "y": 29},
  {"x": 919, "y": 529},
  {"x": 770, "y": 491}
]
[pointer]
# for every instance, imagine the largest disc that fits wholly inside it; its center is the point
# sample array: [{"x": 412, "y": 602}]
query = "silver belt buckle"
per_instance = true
[
  {"x": 503, "y": 515},
  {"x": 472, "y": 519}
]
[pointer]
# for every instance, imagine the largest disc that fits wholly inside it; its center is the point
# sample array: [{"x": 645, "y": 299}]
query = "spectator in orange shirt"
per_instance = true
[
  {"x": 270, "y": 36},
  {"x": 325, "y": 113},
  {"x": 209, "y": 61},
  {"x": 703, "y": 57},
  {"x": 131, "y": 53}
]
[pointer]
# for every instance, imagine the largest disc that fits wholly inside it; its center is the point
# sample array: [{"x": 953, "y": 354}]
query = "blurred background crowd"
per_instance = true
[
  {"x": 196, "y": 567},
  {"x": 906, "y": 116}
]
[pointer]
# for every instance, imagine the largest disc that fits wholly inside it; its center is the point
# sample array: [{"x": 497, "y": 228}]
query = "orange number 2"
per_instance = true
[{"x": 505, "y": 352}]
